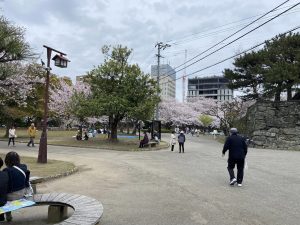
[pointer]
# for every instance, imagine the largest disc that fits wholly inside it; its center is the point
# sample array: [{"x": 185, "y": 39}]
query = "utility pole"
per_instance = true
[
  {"x": 159, "y": 46},
  {"x": 184, "y": 77}
]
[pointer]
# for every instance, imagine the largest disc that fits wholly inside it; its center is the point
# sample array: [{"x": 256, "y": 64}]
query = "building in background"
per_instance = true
[
  {"x": 215, "y": 87},
  {"x": 167, "y": 82}
]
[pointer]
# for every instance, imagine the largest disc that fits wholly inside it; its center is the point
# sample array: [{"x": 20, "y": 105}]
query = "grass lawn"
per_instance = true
[
  {"x": 65, "y": 138},
  {"x": 52, "y": 168}
]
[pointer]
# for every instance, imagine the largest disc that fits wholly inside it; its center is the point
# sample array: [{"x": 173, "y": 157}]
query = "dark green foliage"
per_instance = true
[
  {"x": 12, "y": 43},
  {"x": 270, "y": 71}
]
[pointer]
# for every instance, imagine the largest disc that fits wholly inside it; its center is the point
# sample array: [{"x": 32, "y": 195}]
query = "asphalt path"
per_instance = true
[{"x": 168, "y": 188}]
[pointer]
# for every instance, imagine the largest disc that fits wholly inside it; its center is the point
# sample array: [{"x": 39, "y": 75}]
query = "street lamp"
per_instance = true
[{"x": 62, "y": 62}]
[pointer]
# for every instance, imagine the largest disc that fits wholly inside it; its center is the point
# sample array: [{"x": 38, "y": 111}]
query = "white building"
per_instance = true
[{"x": 167, "y": 82}]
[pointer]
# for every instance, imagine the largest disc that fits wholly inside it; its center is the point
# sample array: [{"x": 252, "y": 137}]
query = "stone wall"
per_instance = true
[{"x": 275, "y": 125}]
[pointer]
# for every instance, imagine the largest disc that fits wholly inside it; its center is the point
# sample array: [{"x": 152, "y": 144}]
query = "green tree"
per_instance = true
[
  {"x": 270, "y": 71},
  {"x": 13, "y": 46},
  {"x": 281, "y": 65},
  {"x": 206, "y": 120},
  {"x": 120, "y": 90},
  {"x": 247, "y": 74}
]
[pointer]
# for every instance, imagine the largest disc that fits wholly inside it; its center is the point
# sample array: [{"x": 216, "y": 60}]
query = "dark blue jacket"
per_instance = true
[
  {"x": 3, "y": 187},
  {"x": 181, "y": 138},
  {"x": 237, "y": 147},
  {"x": 17, "y": 181}
]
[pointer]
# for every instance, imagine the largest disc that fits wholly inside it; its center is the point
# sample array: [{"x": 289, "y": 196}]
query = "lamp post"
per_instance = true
[{"x": 62, "y": 62}]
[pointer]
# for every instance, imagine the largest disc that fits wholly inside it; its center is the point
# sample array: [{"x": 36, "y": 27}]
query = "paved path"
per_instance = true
[{"x": 168, "y": 188}]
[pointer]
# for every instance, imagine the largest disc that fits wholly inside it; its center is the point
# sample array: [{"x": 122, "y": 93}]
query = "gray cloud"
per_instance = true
[{"x": 82, "y": 27}]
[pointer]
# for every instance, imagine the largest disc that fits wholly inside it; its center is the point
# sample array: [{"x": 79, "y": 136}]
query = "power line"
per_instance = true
[
  {"x": 217, "y": 32},
  {"x": 231, "y": 41},
  {"x": 173, "y": 42},
  {"x": 207, "y": 67}
]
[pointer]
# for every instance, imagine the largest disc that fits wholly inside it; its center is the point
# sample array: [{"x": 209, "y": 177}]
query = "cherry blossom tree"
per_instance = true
[
  {"x": 66, "y": 101},
  {"x": 224, "y": 114}
]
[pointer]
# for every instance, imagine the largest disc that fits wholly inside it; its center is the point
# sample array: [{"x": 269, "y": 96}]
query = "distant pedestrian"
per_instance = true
[
  {"x": 237, "y": 152},
  {"x": 11, "y": 135},
  {"x": 31, "y": 133},
  {"x": 173, "y": 140},
  {"x": 181, "y": 140}
]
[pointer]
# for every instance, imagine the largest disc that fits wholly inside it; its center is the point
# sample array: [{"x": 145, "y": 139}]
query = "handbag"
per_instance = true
[{"x": 28, "y": 190}]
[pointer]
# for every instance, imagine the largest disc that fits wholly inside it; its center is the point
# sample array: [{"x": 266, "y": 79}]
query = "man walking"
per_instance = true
[
  {"x": 181, "y": 140},
  {"x": 237, "y": 152},
  {"x": 31, "y": 133}
]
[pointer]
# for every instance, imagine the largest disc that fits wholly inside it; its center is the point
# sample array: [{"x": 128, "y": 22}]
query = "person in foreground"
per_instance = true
[
  {"x": 3, "y": 188},
  {"x": 18, "y": 178},
  {"x": 237, "y": 152}
]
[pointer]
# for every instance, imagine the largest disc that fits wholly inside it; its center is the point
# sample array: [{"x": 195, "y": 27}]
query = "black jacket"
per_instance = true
[
  {"x": 237, "y": 147},
  {"x": 17, "y": 181},
  {"x": 3, "y": 187}
]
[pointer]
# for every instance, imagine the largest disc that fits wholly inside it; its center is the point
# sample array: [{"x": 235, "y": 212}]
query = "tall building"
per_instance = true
[
  {"x": 167, "y": 82},
  {"x": 215, "y": 87}
]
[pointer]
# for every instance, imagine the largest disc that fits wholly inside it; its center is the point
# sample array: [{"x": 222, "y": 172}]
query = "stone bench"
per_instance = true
[
  {"x": 34, "y": 181},
  {"x": 87, "y": 211},
  {"x": 151, "y": 144}
]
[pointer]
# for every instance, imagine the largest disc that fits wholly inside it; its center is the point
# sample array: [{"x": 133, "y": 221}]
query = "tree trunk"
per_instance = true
[
  {"x": 113, "y": 130},
  {"x": 277, "y": 96},
  {"x": 134, "y": 129},
  {"x": 9, "y": 123},
  {"x": 289, "y": 93},
  {"x": 121, "y": 128},
  {"x": 128, "y": 126}
]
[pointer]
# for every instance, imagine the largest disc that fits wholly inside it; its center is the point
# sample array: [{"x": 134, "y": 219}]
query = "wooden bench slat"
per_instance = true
[
  {"x": 52, "y": 196},
  {"x": 87, "y": 211}
]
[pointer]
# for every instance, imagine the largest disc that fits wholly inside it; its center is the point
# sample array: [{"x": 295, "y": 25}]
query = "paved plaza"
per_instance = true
[{"x": 168, "y": 188}]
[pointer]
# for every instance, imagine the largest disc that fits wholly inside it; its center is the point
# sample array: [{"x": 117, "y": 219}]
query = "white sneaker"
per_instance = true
[
  {"x": 233, "y": 181},
  {"x": 239, "y": 185}
]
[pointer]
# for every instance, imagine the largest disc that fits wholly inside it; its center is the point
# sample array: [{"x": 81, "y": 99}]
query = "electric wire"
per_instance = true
[
  {"x": 218, "y": 49},
  {"x": 231, "y": 57}
]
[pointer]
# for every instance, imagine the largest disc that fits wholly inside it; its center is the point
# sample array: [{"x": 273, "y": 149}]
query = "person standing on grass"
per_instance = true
[
  {"x": 31, "y": 133},
  {"x": 173, "y": 140},
  {"x": 237, "y": 152},
  {"x": 181, "y": 140},
  {"x": 11, "y": 135},
  {"x": 3, "y": 188}
]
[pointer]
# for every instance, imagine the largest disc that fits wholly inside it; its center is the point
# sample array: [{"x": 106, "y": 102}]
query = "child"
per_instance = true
[{"x": 3, "y": 188}]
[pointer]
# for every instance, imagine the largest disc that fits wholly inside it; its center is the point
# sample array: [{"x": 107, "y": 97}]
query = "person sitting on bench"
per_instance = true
[
  {"x": 18, "y": 178},
  {"x": 3, "y": 188},
  {"x": 144, "y": 141}
]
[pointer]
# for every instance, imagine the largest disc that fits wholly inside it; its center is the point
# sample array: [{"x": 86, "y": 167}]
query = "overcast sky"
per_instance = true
[{"x": 81, "y": 27}]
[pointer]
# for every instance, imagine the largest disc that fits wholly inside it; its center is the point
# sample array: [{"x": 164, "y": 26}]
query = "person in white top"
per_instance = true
[
  {"x": 173, "y": 140},
  {"x": 11, "y": 135}
]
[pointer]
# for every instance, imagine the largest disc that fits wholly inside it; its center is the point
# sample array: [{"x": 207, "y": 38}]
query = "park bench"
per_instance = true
[
  {"x": 151, "y": 144},
  {"x": 87, "y": 211},
  {"x": 34, "y": 181}
]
